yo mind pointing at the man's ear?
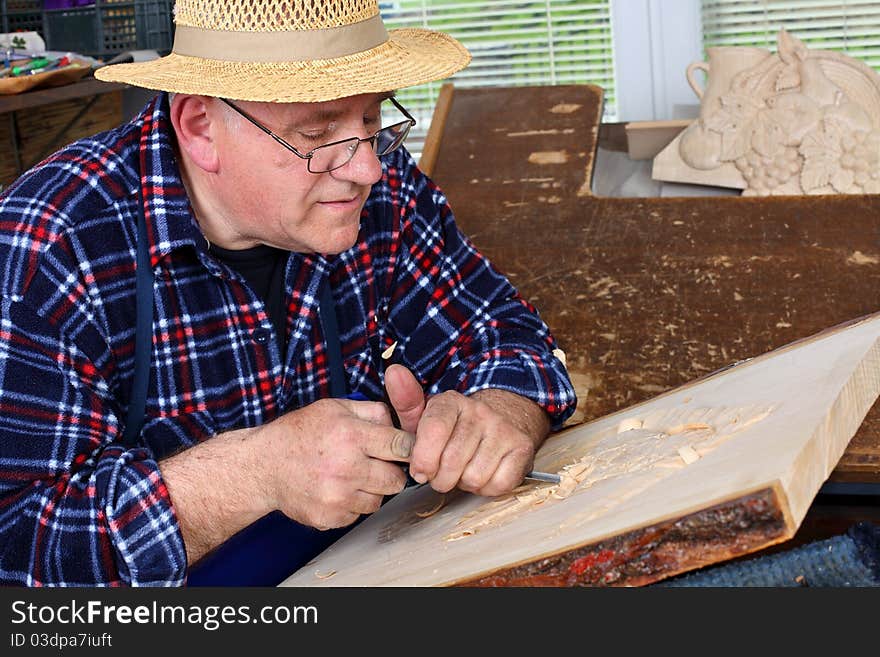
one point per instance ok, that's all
(193, 123)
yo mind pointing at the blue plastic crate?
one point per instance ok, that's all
(101, 29)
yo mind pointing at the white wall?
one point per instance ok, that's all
(654, 43)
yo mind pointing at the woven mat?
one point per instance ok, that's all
(851, 559)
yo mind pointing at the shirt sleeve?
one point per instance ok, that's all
(76, 507)
(467, 328)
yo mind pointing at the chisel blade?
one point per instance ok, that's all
(544, 476)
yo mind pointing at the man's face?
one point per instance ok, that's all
(268, 195)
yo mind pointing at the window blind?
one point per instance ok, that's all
(543, 42)
(851, 27)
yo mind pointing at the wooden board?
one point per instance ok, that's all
(646, 294)
(647, 138)
(716, 469)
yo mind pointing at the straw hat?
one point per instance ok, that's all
(290, 51)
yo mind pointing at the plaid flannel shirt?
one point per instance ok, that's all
(79, 508)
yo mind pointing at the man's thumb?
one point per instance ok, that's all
(406, 396)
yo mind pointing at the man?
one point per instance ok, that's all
(245, 235)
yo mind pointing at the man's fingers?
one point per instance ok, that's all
(498, 479)
(402, 445)
(406, 396)
(384, 478)
(365, 503)
(437, 426)
(368, 411)
(460, 450)
(389, 444)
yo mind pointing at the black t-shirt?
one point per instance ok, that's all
(263, 268)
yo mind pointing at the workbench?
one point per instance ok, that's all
(79, 109)
(646, 294)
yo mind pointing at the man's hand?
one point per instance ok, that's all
(335, 460)
(484, 443)
(322, 465)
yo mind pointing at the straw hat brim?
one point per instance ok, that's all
(410, 57)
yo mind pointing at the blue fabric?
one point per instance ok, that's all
(263, 554)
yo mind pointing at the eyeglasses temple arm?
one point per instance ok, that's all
(281, 141)
(403, 110)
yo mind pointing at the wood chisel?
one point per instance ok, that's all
(544, 476)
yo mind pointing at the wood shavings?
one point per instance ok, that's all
(459, 535)
(565, 108)
(389, 351)
(534, 496)
(688, 454)
(560, 355)
(691, 426)
(859, 258)
(326, 575)
(629, 424)
(548, 157)
(430, 512)
(576, 469)
(566, 486)
(656, 445)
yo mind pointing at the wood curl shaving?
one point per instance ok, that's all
(389, 351)
(688, 454)
(457, 535)
(560, 355)
(566, 486)
(629, 424)
(691, 426)
(430, 512)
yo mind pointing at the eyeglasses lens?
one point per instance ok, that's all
(391, 138)
(333, 156)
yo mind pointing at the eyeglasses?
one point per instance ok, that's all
(336, 154)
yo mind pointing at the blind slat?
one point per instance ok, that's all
(851, 27)
(512, 42)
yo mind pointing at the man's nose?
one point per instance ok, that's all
(364, 168)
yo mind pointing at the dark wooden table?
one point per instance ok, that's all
(85, 88)
(88, 89)
(646, 294)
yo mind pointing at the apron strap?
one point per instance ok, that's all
(143, 338)
(327, 311)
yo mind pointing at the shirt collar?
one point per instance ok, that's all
(171, 222)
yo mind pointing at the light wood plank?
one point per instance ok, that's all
(431, 147)
(645, 139)
(767, 433)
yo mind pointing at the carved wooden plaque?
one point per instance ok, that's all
(799, 121)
